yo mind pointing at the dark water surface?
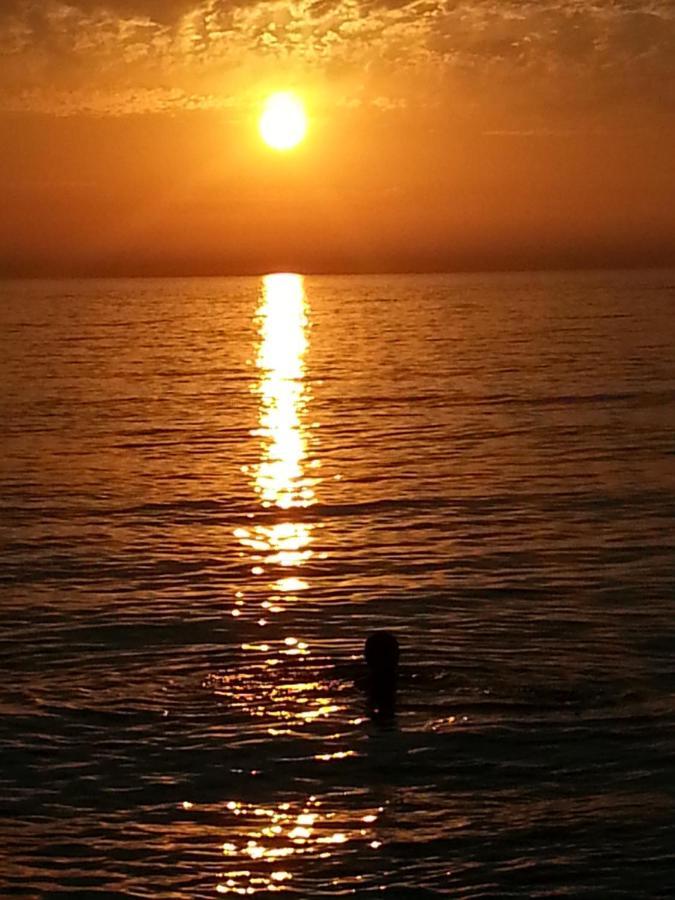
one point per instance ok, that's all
(212, 490)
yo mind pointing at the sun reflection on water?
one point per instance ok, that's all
(284, 688)
(282, 316)
(269, 840)
(291, 701)
(283, 478)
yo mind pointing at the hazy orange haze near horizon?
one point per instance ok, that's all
(442, 136)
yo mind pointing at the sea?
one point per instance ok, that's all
(212, 491)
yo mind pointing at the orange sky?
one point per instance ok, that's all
(444, 135)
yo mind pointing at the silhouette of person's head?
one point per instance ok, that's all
(381, 653)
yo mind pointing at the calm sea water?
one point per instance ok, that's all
(212, 490)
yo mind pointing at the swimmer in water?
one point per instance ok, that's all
(381, 654)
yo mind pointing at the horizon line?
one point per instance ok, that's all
(320, 272)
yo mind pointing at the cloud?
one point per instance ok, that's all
(120, 102)
(97, 48)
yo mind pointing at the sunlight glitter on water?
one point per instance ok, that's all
(278, 701)
(281, 833)
(279, 478)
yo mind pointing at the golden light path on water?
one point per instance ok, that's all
(277, 836)
(264, 842)
(281, 360)
(280, 477)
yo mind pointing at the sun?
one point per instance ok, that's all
(283, 123)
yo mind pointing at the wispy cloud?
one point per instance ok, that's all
(128, 55)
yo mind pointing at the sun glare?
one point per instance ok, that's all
(283, 123)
